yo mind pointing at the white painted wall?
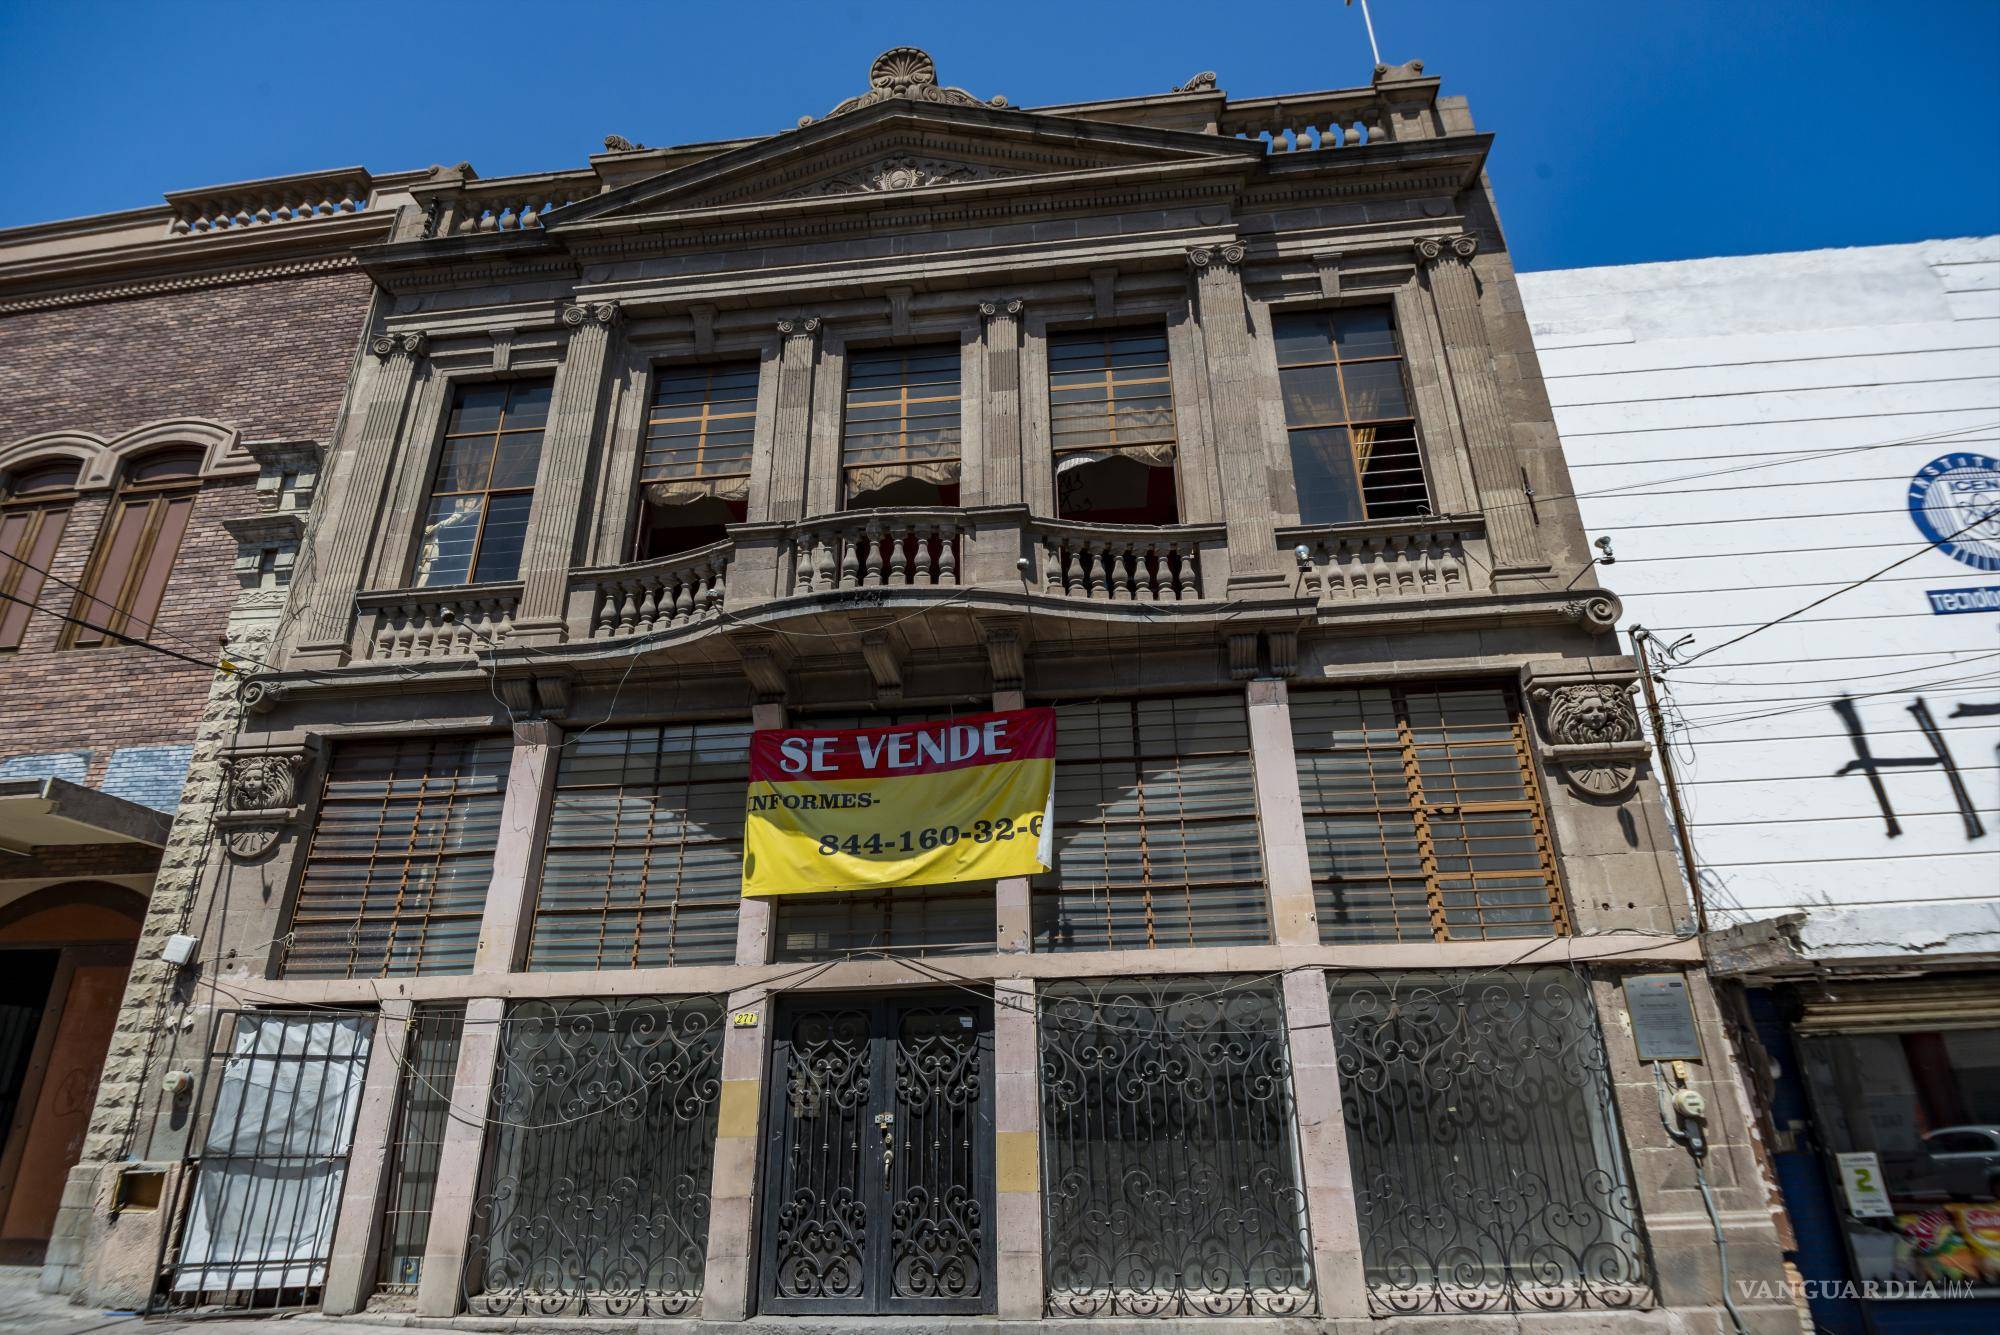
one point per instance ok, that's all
(1666, 375)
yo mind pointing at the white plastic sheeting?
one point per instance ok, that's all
(275, 1156)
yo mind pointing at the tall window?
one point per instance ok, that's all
(484, 485)
(1156, 828)
(395, 879)
(34, 510)
(128, 573)
(1354, 443)
(696, 469)
(645, 849)
(1423, 817)
(1486, 1096)
(900, 437)
(1111, 426)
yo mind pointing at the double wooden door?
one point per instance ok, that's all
(880, 1157)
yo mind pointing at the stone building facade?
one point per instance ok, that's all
(170, 376)
(1212, 423)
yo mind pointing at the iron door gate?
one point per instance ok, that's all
(880, 1157)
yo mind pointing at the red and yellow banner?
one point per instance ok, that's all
(964, 799)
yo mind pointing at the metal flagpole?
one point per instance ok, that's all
(1365, 18)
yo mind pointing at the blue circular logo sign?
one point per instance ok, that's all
(1955, 502)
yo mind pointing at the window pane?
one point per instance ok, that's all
(1374, 390)
(1323, 473)
(464, 465)
(1312, 395)
(444, 548)
(515, 460)
(478, 408)
(1422, 817)
(528, 405)
(1301, 337)
(1364, 331)
(395, 878)
(500, 542)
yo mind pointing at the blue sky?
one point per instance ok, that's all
(1628, 130)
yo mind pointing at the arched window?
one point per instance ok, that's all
(135, 555)
(35, 502)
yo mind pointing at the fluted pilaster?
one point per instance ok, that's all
(551, 536)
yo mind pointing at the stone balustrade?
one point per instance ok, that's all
(1402, 109)
(509, 205)
(1405, 558)
(436, 623)
(280, 199)
(878, 548)
(676, 590)
(1124, 563)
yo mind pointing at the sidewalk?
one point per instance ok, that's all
(24, 1309)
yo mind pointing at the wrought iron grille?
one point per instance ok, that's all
(594, 1199)
(1488, 1170)
(423, 1110)
(1170, 1171)
(279, 1095)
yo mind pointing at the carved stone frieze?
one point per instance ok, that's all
(901, 171)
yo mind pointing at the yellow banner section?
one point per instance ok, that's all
(875, 834)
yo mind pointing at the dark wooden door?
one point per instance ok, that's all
(879, 1163)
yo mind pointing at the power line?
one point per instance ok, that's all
(118, 635)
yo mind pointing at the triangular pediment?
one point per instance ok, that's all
(903, 146)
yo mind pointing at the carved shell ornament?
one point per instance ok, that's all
(906, 72)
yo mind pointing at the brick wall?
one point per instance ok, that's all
(268, 358)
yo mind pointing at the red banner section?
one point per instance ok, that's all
(807, 755)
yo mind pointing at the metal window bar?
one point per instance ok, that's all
(1156, 828)
(423, 1112)
(1489, 1173)
(1347, 408)
(1424, 815)
(1171, 1182)
(395, 878)
(259, 1192)
(595, 1191)
(701, 422)
(645, 849)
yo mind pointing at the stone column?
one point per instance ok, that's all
(1329, 1181)
(1231, 355)
(1017, 1158)
(1001, 484)
(439, 1292)
(783, 496)
(350, 1272)
(739, 1136)
(1013, 896)
(550, 542)
(517, 858)
(1281, 822)
(351, 528)
(1496, 467)
(754, 916)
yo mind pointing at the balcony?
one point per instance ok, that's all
(1000, 554)
(1434, 557)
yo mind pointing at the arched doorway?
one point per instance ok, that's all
(65, 952)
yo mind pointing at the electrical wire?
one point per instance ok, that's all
(119, 636)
